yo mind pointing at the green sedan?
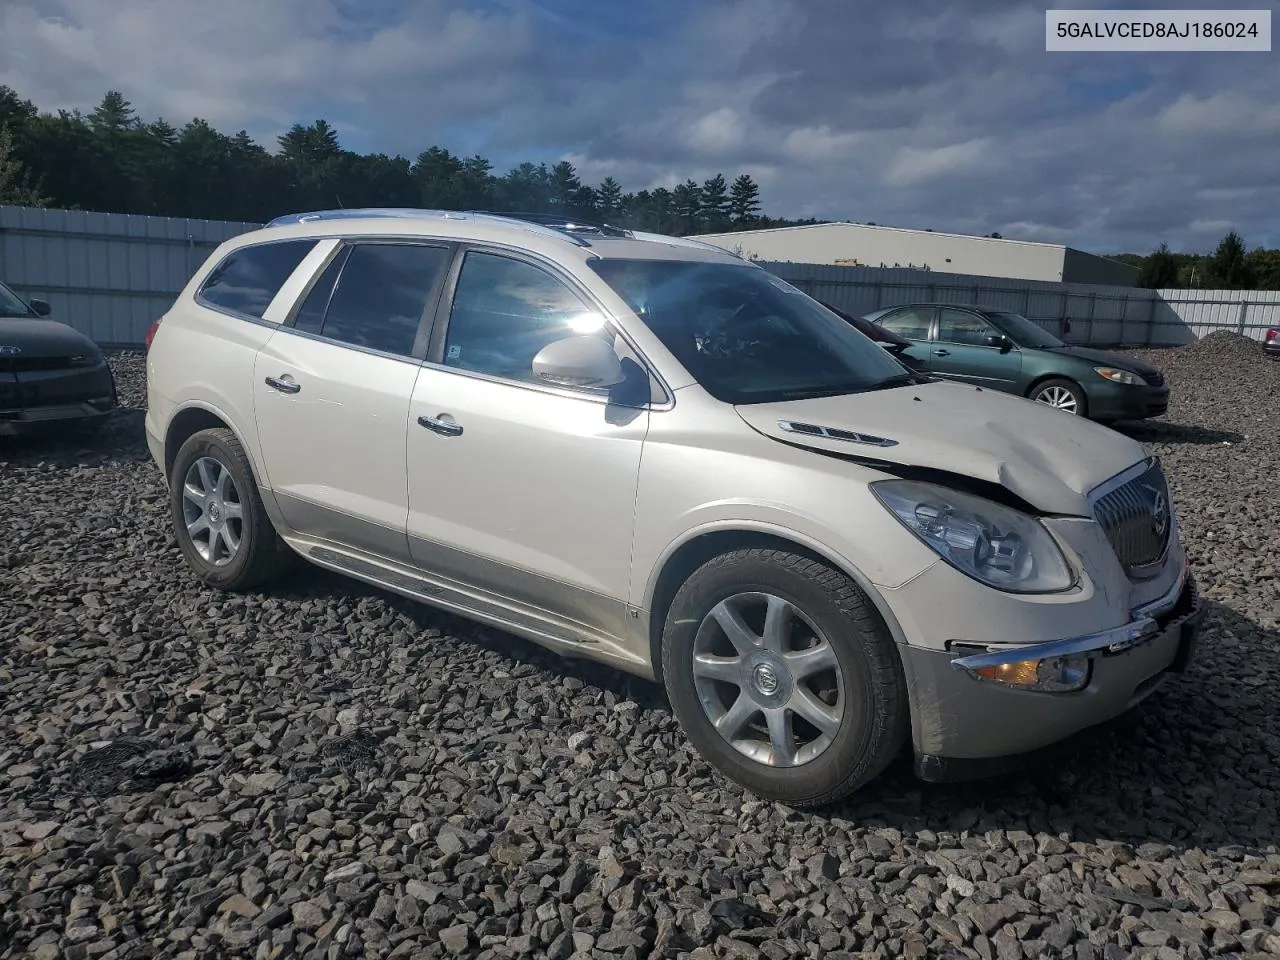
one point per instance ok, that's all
(1006, 351)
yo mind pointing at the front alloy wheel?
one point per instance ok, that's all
(783, 676)
(767, 679)
(1060, 395)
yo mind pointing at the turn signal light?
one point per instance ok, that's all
(1053, 675)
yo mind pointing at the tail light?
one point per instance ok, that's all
(1272, 334)
(151, 331)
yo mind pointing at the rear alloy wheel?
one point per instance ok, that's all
(783, 677)
(1061, 395)
(218, 516)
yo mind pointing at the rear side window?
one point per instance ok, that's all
(912, 323)
(374, 295)
(247, 280)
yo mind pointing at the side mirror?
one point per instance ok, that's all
(40, 307)
(996, 340)
(584, 361)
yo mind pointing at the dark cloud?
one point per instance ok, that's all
(947, 115)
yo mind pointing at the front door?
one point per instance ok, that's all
(518, 490)
(332, 389)
(961, 351)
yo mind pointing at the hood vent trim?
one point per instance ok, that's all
(834, 433)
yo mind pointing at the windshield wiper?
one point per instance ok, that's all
(898, 380)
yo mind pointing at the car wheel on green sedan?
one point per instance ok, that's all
(783, 676)
(1061, 394)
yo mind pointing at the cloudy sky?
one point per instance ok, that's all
(918, 113)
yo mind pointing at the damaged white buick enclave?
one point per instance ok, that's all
(651, 453)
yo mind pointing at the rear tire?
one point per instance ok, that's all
(1061, 394)
(218, 517)
(810, 703)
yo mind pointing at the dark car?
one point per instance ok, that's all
(51, 375)
(1271, 343)
(894, 344)
(1005, 351)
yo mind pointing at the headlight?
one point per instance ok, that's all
(1001, 547)
(1118, 376)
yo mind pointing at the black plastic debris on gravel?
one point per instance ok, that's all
(129, 764)
(351, 752)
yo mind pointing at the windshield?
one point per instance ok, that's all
(1022, 331)
(10, 305)
(745, 335)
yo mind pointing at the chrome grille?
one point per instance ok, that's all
(1137, 517)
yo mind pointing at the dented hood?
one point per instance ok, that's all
(1048, 458)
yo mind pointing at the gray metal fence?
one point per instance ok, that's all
(1076, 312)
(110, 275)
(106, 274)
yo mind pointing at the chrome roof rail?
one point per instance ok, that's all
(415, 213)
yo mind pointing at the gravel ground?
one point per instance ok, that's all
(326, 771)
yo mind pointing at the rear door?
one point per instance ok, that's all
(961, 351)
(332, 389)
(913, 323)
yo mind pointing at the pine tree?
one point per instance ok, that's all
(1229, 268)
(1160, 270)
(744, 200)
(609, 199)
(715, 203)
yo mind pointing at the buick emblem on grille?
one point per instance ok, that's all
(1159, 514)
(8, 351)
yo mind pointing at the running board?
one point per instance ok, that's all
(556, 636)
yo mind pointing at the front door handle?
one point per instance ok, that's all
(283, 385)
(942, 353)
(446, 428)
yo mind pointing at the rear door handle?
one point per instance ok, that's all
(446, 428)
(942, 353)
(283, 385)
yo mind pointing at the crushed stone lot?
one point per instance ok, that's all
(324, 770)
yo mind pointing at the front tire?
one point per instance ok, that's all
(219, 520)
(783, 677)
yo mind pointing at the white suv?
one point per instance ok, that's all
(652, 453)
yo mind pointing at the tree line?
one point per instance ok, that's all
(1229, 267)
(113, 161)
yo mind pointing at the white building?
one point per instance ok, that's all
(863, 245)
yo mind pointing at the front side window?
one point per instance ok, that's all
(11, 304)
(1024, 332)
(747, 336)
(505, 311)
(247, 281)
(963, 327)
(374, 295)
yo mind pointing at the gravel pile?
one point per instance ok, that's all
(326, 771)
